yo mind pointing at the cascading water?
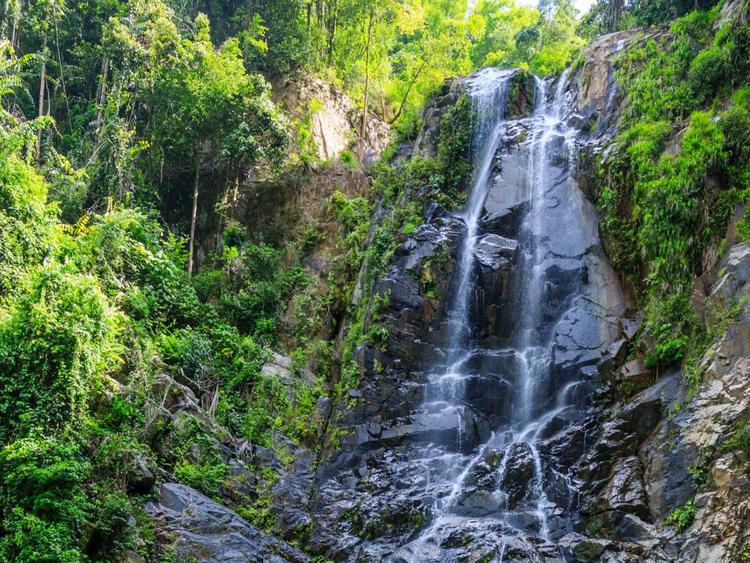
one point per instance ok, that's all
(491, 471)
(445, 389)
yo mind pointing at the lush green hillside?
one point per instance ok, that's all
(119, 120)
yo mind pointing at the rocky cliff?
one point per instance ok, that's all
(658, 471)
(372, 497)
(641, 465)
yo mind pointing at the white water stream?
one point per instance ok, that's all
(452, 463)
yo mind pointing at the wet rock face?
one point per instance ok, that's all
(427, 141)
(201, 529)
(375, 497)
(519, 474)
(521, 95)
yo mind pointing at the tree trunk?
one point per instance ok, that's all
(40, 109)
(62, 70)
(16, 18)
(408, 91)
(363, 125)
(194, 215)
(100, 94)
(332, 28)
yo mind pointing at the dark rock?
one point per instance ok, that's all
(630, 326)
(625, 491)
(590, 549)
(201, 529)
(479, 503)
(635, 376)
(291, 497)
(519, 474)
(583, 122)
(618, 351)
(645, 411)
(240, 484)
(632, 528)
(494, 251)
(402, 154)
(140, 477)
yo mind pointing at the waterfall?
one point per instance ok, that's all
(445, 389)
(500, 397)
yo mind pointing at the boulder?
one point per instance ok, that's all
(140, 478)
(635, 376)
(494, 251)
(279, 367)
(201, 529)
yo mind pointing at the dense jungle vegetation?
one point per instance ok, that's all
(116, 114)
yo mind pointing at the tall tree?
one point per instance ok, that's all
(205, 109)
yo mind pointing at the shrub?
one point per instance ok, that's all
(58, 336)
(669, 320)
(258, 287)
(206, 478)
(188, 352)
(708, 72)
(125, 248)
(235, 235)
(349, 161)
(683, 517)
(43, 503)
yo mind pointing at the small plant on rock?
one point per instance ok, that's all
(682, 518)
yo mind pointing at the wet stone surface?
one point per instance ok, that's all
(463, 444)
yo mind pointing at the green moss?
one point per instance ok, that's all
(739, 440)
(521, 94)
(454, 152)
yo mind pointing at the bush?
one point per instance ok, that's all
(126, 250)
(189, 354)
(669, 321)
(349, 161)
(206, 478)
(43, 503)
(235, 235)
(708, 72)
(257, 289)
(53, 345)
